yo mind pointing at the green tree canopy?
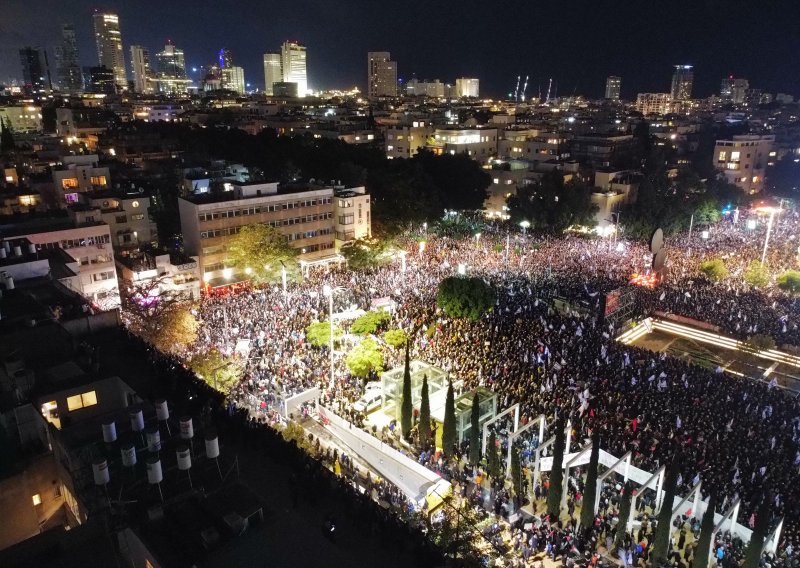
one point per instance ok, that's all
(395, 337)
(365, 358)
(714, 269)
(493, 464)
(789, 281)
(319, 333)
(222, 373)
(756, 274)
(261, 251)
(371, 322)
(465, 297)
(406, 404)
(362, 254)
(552, 205)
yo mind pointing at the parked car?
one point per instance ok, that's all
(369, 402)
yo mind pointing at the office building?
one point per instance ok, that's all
(467, 87)
(108, 38)
(225, 58)
(734, 90)
(171, 77)
(381, 75)
(613, 88)
(70, 79)
(140, 65)
(743, 160)
(682, 81)
(100, 80)
(313, 218)
(282, 89)
(654, 103)
(433, 89)
(293, 66)
(272, 71)
(233, 79)
(35, 73)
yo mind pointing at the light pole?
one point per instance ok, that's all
(477, 240)
(772, 211)
(328, 291)
(524, 225)
(283, 276)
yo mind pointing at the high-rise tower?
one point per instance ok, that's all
(293, 66)
(109, 46)
(381, 75)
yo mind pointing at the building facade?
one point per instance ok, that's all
(272, 71)
(108, 39)
(233, 79)
(467, 87)
(404, 141)
(744, 160)
(79, 174)
(613, 88)
(381, 75)
(70, 79)
(171, 77)
(654, 103)
(35, 72)
(682, 82)
(142, 74)
(293, 66)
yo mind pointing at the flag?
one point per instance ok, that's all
(678, 422)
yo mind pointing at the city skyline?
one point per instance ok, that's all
(582, 55)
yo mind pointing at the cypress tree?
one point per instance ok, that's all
(475, 431)
(557, 473)
(755, 547)
(625, 500)
(516, 473)
(703, 550)
(424, 415)
(590, 490)
(492, 456)
(664, 527)
(449, 426)
(406, 408)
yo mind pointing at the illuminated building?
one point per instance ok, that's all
(467, 87)
(69, 71)
(743, 160)
(272, 71)
(225, 58)
(734, 90)
(108, 38)
(233, 79)
(34, 70)
(381, 75)
(654, 103)
(142, 75)
(404, 141)
(682, 81)
(293, 66)
(613, 88)
(171, 77)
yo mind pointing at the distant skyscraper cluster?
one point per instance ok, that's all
(286, 72)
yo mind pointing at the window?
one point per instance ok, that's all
(346, 219)
(81, 400)
(37, 500)
(120, 218)
(100, 276)
(98, 180)
(735, 156)
(137, 217)
(723, 155)
(69, 183)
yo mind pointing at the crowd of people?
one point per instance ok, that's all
(741, 437)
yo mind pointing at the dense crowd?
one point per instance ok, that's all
(739, 436)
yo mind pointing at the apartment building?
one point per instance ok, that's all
(126, 215)
(404, 141)
(176, 273)
(478, 143)
(744, 160)
(353, 213)
(78, 174)
(307, 215)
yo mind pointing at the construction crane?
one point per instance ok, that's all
(525, 88)
(549, 86)
(516, 90)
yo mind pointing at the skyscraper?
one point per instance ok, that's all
(225, 58)
(613, 87)
(272, 71)
(381, 75)
(682, 80)
(69, 70)
(140, 64)
(233, 79)
(734, 90)
(34, 70)
(171, 77)
(109, 46)
(467, 87)
(293, 66)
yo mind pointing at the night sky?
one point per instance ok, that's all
(577, 42)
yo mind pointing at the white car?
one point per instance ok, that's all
(374, 386)
(369, 402)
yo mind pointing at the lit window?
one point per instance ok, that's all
(496, 180)
(69, 183)
(37, 500)
(81, 400)
(98, 180)
(735, 156)
(723, 155)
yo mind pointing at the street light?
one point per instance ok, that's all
(524, 225)
(477, 239)
(328, 291)
(771, 211)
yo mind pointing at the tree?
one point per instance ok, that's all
(590, 491)
(176, 330)
(460, 180)
(406, 405)
(261, 252)
(475, 431)
(789, 281)
(714, 269)
(756, 274)
(395, 338)
(424, 427)
(760, 342)
(462, 297)
(557, 472)
(516, 473)
(493, 463)
(664, 526)
(552, 205)
(363, 254)
(7, 144)
(625, 499)
(365, 358)
(319, 333)
(449, 425)
(217, 371)
(370, 322)
(703, 549)
(755, 547)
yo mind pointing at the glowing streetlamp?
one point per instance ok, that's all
(421, 247)
(772, 211)
(328, 291)
(524, 225)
